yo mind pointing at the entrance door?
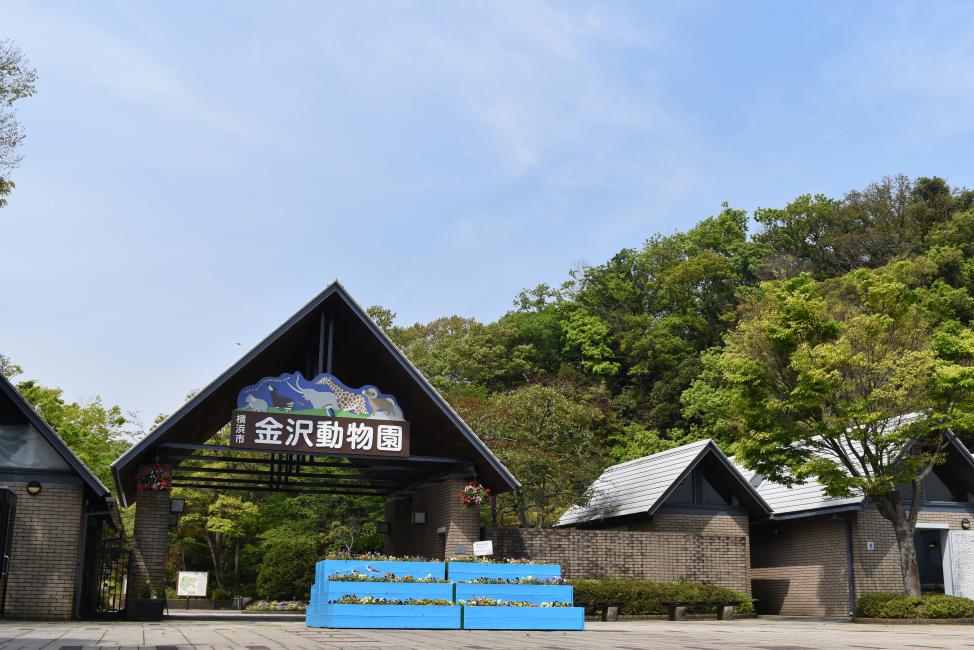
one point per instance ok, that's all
(930, 559)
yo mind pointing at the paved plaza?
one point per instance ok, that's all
(778, 634)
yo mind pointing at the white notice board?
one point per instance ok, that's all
(191, 583)
(485, 547)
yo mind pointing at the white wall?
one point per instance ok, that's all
(961, 546)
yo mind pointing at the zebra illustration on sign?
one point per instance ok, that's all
(323, 395)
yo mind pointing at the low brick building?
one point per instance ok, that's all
(682, 514)
(815, 555)
(54, 518)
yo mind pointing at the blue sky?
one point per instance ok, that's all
(194, 172)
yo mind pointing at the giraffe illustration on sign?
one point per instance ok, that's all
(349, 400)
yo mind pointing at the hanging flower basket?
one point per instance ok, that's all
(155, 478)
(474, 494)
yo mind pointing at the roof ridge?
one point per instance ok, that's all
(660, 454)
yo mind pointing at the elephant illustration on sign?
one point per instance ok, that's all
(319, 399)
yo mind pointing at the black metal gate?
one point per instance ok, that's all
(112, 562)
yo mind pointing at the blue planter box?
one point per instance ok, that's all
(528, 593)
(431, 617)
(323, 592)
(524, 618)
(326, 568)
(463, 571)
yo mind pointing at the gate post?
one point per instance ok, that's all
(147, 568)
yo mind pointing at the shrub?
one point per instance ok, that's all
(288, 570)
(893, 605)
(648, 596)
(296, 606)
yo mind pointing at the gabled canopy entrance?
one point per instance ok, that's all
(330, 334)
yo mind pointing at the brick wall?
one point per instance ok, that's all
(444, 510)
(657, 554)
(150, 544)
(800, 567)
(44, 557)
(879, 569)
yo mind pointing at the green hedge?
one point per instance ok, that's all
(892, 605)
(647, 596)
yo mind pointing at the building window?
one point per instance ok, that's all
(942, 485)
(698, 489)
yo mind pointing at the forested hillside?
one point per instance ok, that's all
(610, 365)
(658, 346)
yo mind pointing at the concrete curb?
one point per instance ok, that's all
(915, 621)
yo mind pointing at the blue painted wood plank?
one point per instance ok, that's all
(527, 593)
(463, 571)
(524, 618)
(326, 568)
(387, 617)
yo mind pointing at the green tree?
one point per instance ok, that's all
(851, 381)
(224, 525)
(96, 433)
(547, 436)
(17, 81)
(288, 569)
(8, 368)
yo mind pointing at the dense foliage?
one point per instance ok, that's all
(865, 300)
(647, 597)
(895, 605)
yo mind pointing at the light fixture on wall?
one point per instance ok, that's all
(419, 517)
(965, 524)
(177, 506)
(33, 488)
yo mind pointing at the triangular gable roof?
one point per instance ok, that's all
(643, 485)
(8, 390)
(200, 417)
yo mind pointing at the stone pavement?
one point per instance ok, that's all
(763, 634)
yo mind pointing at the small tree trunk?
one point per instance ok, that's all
(216, 562)
(908, 557)
(904, 526)
(522, 511)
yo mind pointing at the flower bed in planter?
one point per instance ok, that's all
(333, 590)
(326, 568)
(467, 571)
(532, 593)
(490, 614)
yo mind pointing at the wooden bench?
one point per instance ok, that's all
(610, 608)
(677, 608)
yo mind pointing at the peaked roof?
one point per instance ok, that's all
(8, 390)
(809, 498)
(642, 485)
(366, 355)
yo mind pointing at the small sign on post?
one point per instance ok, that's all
(191, 583)
(485, 547)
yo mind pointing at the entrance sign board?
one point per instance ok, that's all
(485, 547)
(315, 433)
(290, 413)
(191, 583)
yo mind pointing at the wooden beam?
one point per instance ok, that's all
(294, 490)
